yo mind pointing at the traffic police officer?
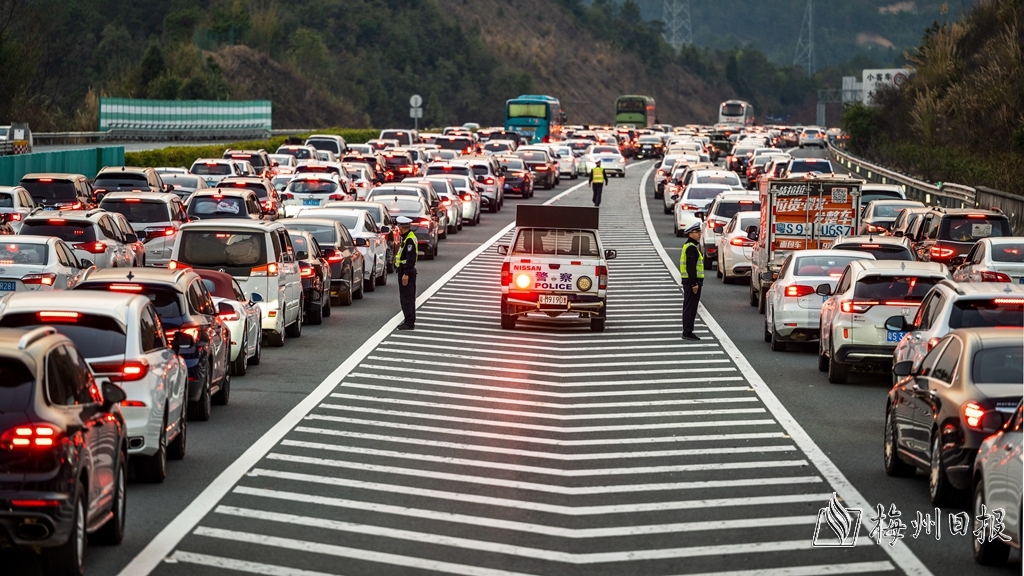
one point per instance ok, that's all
(691, 271)
(405, 265)
(597, 179)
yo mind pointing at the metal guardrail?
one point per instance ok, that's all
(44, 138)
(948, 195)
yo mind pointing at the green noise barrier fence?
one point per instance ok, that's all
(186, 119)
(87, 162)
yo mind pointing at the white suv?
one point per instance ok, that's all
(718, 215)
(213, 170)
(155, 218)
(93, 235)
(951, 305)
(259, 255)
(854, 317)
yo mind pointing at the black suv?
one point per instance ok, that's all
(60, 191)
(63, 450)
(945, 233)
(259, 159)
(184, 306)
(127, 179)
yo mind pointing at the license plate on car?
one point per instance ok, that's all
(894, 336)
(7, 286)
(554, 300)
(1022, 279)
(50, 208)
(311, 202)
(508, 186)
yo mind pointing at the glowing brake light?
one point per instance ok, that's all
(931, 343)
(798, 290)
(523, 281)
(91, 247)
(265, 270)
(30, 436)
(58, 316)
(45, 279)
(56, 221)
(175, 265)
(128, 371)
(133, 200)
(306, 272)
(990, 276)
(741, 241)
(940, 252)
(856, 306)
(506, 275)
(125, 287)
(973, 415)
(229, 316)
(1014, 301)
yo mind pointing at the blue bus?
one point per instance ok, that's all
(537, 118)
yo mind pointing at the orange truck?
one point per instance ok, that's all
(803, 213)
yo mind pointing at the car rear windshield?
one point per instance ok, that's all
(983, 313)
(236, 252)
(48, 192)
(650, 140)
(497, 146)
(397, 160)
(111, 181)
(14, 252)
(821, 265)
(406, 206)
(222, 206)
(259, 189)
(297, 153)
(350, 221)
(454, 143)
(1001, 365)
(6, 200)
(138, 211)
(513, 164)
(94, 335)
(211, 169)
(700, 193)
(557, 241)
(16, 382)
(313, 186)
(966, 229)
(325, 235)
(901, 288)
(881, 251)
(604, 150)
(726, 209)
(870, 195)
(890, 210)
(804, 166)
(1008, 253)
(182, 181)
(445, 170)
(70, 232)
(254, 159)
(403, 137)
(325, 144)
(532, 156)
(480, 170)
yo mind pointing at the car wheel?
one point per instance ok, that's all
(382, 280)
(986, 552)
(68, 558)
(940, 491)
(223, 395)
(176, 449)
(659, 195)
(153, 469)
(258, 356)
(822, 358)
(112, 533)
(428, 254)
(370, 282)
(597, 324)
(326, 298)
(314, 313)
(508, 321)
(718, 272)
(200, 409)
(239, 367)
(753, 296)
(776, 344)
(357, 294)
(679, 233)
(453, 229)
(346, 298)
(493, 207)
(667, 209)
(767, 334)
(443, 233)
(294, 330)
(894, 466)
(838, 373)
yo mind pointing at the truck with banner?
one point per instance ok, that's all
(802, 213)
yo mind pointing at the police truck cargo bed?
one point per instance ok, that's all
(535, 216)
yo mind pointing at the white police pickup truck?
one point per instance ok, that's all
(555, 265)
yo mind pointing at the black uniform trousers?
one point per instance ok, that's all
(598, 188)
(690, 301)
(407, 295)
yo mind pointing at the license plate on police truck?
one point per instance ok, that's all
(553, 300)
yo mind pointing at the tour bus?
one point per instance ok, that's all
(536, 118)
(635, 110)
(736, 112)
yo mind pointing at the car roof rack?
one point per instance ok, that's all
(35, 335)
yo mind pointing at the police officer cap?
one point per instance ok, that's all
(598, 162)
(404, 220)
(695, 227)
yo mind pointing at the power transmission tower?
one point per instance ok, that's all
(676, 14)
(804, 56)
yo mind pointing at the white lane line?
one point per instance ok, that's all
(405, 427)
(547, 471)
(564, 356)
(815, 570)
(584, 383)
(542, 393)
(514, 367)
(581, 329)
(556, 531)
(900, 553)
(235, 565)
(440, 336)
(474, 498)
(576, 457)
(545, 488)
(347, 552)
(545, 415)
(540, 427)
(168, 538)
(675, 345)
(557, 405)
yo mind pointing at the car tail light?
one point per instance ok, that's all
(857, 306)
(125, 287)
(175, 265)
(337, 197)
(446, 202)
(990, 276)
(423, 222)
(467, 197)
(29, 436)
(798, 290)
(875, 229)
(741, 241)
(46, 279)
(69, 205)
(335, 258)
(58, 316)
(931, 343)
(973, 415)
(192, 329)
(691, 207)
(15, 216)
(35, 503)
(304, 272)
(128, 371)
(159, 232)
(269, 270)
(91, 247)
(541, 168)
(602, 277)
(506, 274)
(939, 252)
(489, 181)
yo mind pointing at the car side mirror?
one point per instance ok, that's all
(502, 249)
(183, 340)
(904, 368)
(957, 261)
(718, 229)
(753, 233)
(131, 238)
(302, 255)
(897, 324)
(385, 229)
(112, 395)
(823, 290)
(362, 242)
(255, 297)
(767, 276)
(675, 197)
(225, 308)
(85, 263)
(898, 233)
(699, 214)
(287, 196)
(610, 254)
(168, 188)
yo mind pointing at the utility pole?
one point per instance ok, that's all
(676, 14)
(804, 56)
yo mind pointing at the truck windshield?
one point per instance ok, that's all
(556, 242)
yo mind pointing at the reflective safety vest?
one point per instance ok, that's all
(683, 274)
(597, 175)
(410, 237)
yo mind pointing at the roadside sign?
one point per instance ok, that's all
(415, 112)
(878, 78)
(416, 101)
